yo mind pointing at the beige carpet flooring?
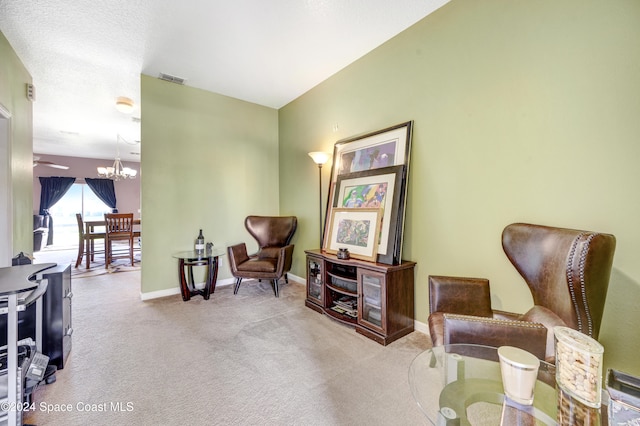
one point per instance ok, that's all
(249, 359)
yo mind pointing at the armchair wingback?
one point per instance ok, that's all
(271, 233)
(273, 259)
(567, 272)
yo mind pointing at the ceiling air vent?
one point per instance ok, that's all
(171, 78)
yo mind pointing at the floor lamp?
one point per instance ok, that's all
(320, 158)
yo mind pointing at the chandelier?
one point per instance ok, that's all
(118, 171)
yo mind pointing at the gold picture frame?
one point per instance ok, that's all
(357, 230)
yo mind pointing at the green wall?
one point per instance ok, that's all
(13, 80)
(523, 111)
(207, 162)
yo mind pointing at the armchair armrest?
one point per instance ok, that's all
(237, 254)
(459, 295)
(529, 336)
(285, 258)
(548, 318)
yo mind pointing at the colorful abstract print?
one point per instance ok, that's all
(353, 232)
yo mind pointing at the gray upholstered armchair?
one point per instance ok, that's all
(274, 256)
(567, 272)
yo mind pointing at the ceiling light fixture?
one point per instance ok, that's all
(124, 105)
(117, 171)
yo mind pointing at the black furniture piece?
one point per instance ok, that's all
(56, 317)
(19, 288)
(40, 232)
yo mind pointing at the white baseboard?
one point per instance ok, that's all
(173, 291)
(226, 281)
(297, 279)
(160, 293)
(421, 327)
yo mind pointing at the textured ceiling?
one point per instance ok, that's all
(83, 54)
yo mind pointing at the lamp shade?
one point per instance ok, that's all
(124, 104)
(319, 157)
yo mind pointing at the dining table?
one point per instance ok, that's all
(90, 228)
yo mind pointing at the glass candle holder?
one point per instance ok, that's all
(519, 370)
(579, 365)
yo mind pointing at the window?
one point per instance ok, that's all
(79, 199)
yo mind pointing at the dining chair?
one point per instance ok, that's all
(118, 227)
(86, 243)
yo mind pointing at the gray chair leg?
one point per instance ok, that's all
(275, 287)
(286, 278)
(237, 287)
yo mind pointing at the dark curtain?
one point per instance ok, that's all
(104, 189)
(52, 190)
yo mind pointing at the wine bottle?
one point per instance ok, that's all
(200, 243)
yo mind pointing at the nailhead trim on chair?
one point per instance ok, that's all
(583, 259)
(581, 267)
(525, 324)
(572, 253)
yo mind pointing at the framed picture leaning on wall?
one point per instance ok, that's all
(382, 148)
(359, 157)
(379, 188)
(357, 230)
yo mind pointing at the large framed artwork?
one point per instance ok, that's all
(379, 188)
(382, 148)
(358, 163)
(357, 230)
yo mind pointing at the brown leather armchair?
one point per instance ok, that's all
(274, 256)
(567, 272)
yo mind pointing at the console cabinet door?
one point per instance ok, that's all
(315, 280)
(372, 308)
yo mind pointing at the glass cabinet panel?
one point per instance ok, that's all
(314, 280)
(372, 298)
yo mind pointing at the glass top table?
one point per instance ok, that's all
(461, 384)
(187, 260)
